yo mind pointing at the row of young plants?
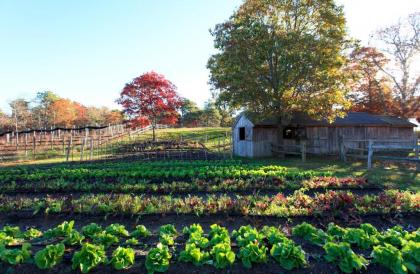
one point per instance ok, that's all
(394, 248)
(138, 171)
(124, 165)
(331, 203)
(195, 185)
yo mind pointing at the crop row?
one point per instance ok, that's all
(334, 203)
(395, 248)
(124, 165)
(161, 174)
(195, 185)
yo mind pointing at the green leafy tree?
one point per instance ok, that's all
(211, 116)
(187, 107)
(42, 112)
(279, 57)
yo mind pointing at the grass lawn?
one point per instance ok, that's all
(391, 176)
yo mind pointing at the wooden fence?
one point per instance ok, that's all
(302, 149)
(112, 143)
(381, 150)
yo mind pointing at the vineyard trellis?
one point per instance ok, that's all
(101, 143)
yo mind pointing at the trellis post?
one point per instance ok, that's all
(370, 154)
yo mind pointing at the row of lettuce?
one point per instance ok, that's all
(195, 185)
(336, 203)
(161, 171)
(395, 248)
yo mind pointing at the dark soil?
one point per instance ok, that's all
(181, 268)
(154, 221)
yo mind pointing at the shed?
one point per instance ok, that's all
(253, 138)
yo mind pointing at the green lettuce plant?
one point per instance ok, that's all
(50, 256)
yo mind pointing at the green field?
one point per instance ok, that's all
(211, 216)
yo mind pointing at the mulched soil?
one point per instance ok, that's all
(154, 221)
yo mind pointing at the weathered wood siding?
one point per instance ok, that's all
(262, 139)
(243, 148)
(325, 140)
(319, 139)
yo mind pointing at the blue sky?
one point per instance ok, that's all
(87, 50)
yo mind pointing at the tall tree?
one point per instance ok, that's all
(65, 112)
(370, 90)
(21, 114)
(187, 106)
(211, 116)
(225, 111)
(5, 122)
(277, 57)
(42, 113)
(150, 98)
(114, 117)
(402, 42)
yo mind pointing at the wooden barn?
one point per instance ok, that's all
(256, 138)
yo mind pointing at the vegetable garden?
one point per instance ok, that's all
(202, 216)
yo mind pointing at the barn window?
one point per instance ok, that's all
(241, 133)
(293, 133)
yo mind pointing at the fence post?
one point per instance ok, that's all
(91, 148)
(82, 149)
(34, 147)
(341, 147)
(303, 150)
(417, 146)
(370, 154)
(26, 145)
(68, 149)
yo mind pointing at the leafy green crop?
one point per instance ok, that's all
(12, 231)
(88, 257)
(158, 259)
(288, 255)
(247, 234)
(132, 241)
(91, 230)
(360, 238)
(62, 230)
(122, 258)
(337, 232)
(32, 233)
(140, 231)
(117, 230)
(105, 239)
(343, 255)
(394, 236)
(193, 254)
(222, 255)
(74, 238)
(253, 253)
(193, 229)
(273, 234)
(168, 229)
(310, 233)
(411, 255)
(390, 257)
(50, 256)
(218, 235)
(15, 256)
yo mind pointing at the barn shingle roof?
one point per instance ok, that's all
(351, 119)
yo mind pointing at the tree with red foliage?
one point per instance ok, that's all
(371, 91)
(150, 99)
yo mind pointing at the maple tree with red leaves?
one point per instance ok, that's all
(150, 99)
